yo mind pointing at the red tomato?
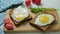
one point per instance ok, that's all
(33, 1)
(6, 20)
(28, 2)
(9, 26)
(37, 2)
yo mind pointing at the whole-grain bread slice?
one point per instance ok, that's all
(44, 28)
(21, 22)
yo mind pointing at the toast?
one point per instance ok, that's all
(21, 22)
(44, 28)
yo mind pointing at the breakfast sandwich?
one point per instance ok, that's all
(43, 19)
(20, 15)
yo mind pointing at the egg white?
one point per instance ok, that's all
(20, 10)
(38, 22)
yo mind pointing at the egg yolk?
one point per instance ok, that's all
(44, 19)
(19, 17)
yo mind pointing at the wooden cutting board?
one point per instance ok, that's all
(27, 27)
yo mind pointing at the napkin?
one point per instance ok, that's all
(1, 31)
(4, 4)
(1, 18)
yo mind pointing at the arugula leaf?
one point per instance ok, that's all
(36, 10)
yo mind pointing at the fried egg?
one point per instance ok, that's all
(44, 19)
(20, 13)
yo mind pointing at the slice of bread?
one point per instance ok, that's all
(43, 28)
(21, 22)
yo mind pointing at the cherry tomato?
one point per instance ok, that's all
(37, 2)
(27, 2)
(33, 1)
(9, 26)
(6, 20)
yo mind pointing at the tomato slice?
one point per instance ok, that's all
(27, 2)
(37, 2)
(6, 20)
(9, 26)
